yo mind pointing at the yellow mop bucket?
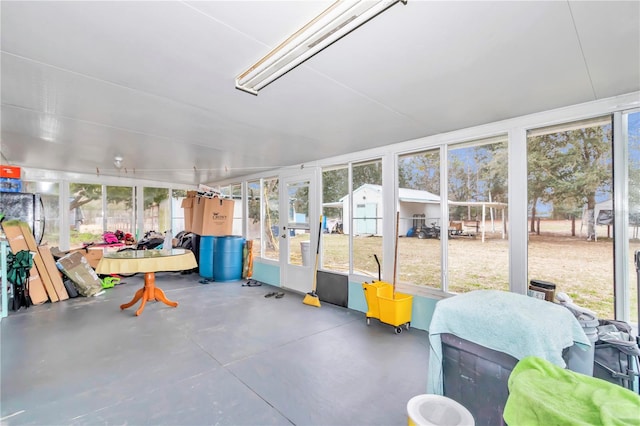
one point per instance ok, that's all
(386, 305)
(371, 292)
(396, 310)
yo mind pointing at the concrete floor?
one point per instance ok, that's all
(225, 356)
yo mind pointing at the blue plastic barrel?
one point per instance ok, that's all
(205, 262)
(227, 258)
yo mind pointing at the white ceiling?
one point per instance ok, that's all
(85, 81)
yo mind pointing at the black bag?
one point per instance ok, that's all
(150, 240)
(71, 289)
(617, 354)
(189, 241)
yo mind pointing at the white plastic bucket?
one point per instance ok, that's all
(304, 249)
(437, 410)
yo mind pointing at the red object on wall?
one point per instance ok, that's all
(12, 172)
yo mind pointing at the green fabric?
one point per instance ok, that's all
(18, 267)
(541, 393)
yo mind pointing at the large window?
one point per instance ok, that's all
(49, 193)
(86, 216)
(234, 192)
(335, 204)
(633, 148)
(419, 227)
(157, 211)
(254, 220)
(570, 178)
(366, 207)
(177, 211)
(120, 212)
(297, 219)
(271, 219)
(477, 245)
(475, 231)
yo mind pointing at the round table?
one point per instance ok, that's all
(148, 262)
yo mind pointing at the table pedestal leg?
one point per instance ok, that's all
(148, 292)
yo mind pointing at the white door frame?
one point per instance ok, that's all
(298, 277)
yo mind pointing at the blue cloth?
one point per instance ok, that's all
(507, 322)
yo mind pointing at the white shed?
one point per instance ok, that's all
(413, 204)
(367, 216)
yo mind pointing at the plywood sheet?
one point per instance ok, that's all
(54, 273)
(37, 260)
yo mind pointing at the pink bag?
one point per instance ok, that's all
(110, 238)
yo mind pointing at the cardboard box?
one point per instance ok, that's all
(187, 207)
(12, 172)
(92, 254)
(77, 268)
(197, 213)
(213, 216)
(13, 232)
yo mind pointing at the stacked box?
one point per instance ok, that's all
(208, 216)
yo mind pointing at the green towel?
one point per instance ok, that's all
(541, 393)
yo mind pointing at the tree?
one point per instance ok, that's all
(152, 196)
(586, 169)
(542, 163)
(494, 171)
(335, 185)
(462, 182)
(420, 171)
(634, 172)
(271, 212)
(568, 169)
(253, 201)
(82, 194)
(364, 173)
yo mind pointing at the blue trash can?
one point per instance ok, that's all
(227, 258)
(205, 261)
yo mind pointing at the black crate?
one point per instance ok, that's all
(476, 377)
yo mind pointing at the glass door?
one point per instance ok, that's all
(298, 232)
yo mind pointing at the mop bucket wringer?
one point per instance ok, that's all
(386, 305)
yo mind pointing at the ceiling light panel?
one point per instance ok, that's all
(335, 22)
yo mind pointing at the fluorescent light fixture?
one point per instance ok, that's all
(335, 22)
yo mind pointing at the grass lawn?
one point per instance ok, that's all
(582, 269)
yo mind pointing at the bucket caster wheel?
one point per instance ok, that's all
(398, 330)
(406, 326)
(368, 321)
